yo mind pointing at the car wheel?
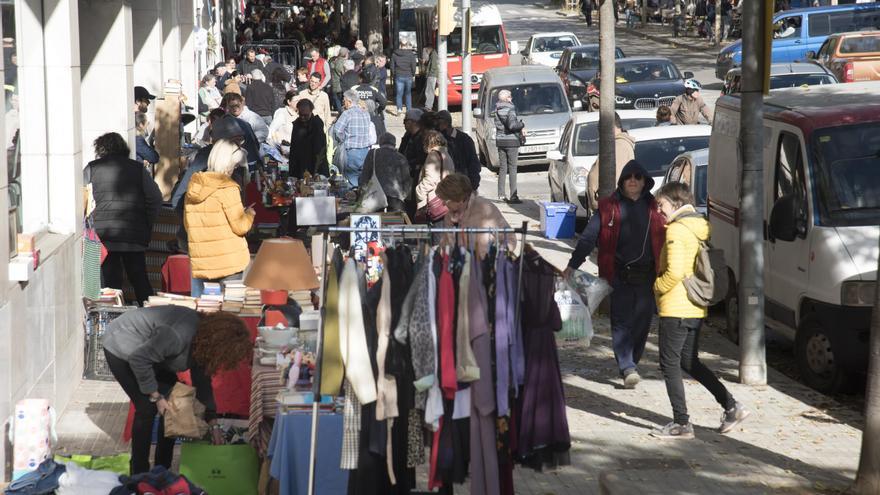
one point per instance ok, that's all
(731, 310)
(815, 359)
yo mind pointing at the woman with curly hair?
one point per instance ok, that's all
(146, 348)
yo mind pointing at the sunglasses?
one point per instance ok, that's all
(634, 176)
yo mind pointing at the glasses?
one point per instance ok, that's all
(634, 177)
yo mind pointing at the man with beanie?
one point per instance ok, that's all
(461, 148)
(629, 231)
(392, 170)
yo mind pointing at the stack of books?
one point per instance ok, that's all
(253, 305)
(110, 297)
(212, 298)
(303, 298)
(168, 299)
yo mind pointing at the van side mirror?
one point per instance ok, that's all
(811, 55)
(578, 105)
(555, 155)
(688, 75)
(513, 47)
(787, 220)
(478, 112)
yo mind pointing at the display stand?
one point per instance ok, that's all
(405, 231)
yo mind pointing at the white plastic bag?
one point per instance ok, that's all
(577, 324)
(78, 480)
(591, 289)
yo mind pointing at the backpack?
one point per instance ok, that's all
(709, 283)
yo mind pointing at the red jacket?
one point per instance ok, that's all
(609, 215)
(321, 67)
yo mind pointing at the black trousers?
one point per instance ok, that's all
(144, 414)
(135, 265)
(679, 349)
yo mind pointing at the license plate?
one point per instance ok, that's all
(474, 96)
(534, 149)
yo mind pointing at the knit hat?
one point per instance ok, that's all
(414, 114)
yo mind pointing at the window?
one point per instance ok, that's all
(589, 58)
(787, 28)
(820, 25)
(790, 178)
(848, 158)
(530, 99)
(651, 70)
(825, 51)
(484, 40)
(656, 155)
(587, 142)
(565, 140)
(11, 141)
(797, 80)
(553, 44)
(860, 44)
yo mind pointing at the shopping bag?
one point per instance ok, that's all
(119, 463)
(221, 469)
(577, 323)
(372, 197)
(93, 255)
(591, 289)
(185, 416)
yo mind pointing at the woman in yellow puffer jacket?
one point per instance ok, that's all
(215, 219)
(680, 319)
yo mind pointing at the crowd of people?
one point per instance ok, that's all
(701, 11)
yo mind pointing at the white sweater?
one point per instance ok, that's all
(352, 336)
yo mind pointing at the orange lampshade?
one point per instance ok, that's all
(282, 264)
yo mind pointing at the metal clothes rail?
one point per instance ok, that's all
(402, 231)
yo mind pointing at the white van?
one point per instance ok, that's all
(822, 211)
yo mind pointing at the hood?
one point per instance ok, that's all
(697, 224)
(545, 122)
(584, 75)
(650, 89)
(732, 48)
(634, 167)
(204, 184)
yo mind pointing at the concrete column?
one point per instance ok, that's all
(170, 40)
(189, 77)
(146, 25)
(107, 74)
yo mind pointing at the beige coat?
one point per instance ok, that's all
(624, 151)
(431, 175)
(479, 213)
(686, 110)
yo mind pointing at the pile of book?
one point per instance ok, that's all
(212, 298)
(168, 299)
(233, 296)
(253, 305)
(110, 297)
(303, 298)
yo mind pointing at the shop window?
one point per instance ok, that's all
(11, 122)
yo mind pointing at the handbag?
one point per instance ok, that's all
(372, 198)
(221, 469)
(93, 255)
(520, 135)
(436, 208)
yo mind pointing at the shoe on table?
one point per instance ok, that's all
(673, 431)
(733, 417)
(631, 379)
(514, 200)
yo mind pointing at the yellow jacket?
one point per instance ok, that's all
(677, 262)
(216, 223)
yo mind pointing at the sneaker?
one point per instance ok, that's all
(733, 417)
(630, 380)
(514, 200)
(674, 430)
(502, 198)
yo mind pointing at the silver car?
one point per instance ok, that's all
(691, 168)
(540, 102)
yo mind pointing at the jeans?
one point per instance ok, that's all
(335, 100)
(725, 27)
(588, 14)
(144, 414)
(507, 166)
(430, 84)
(632, 307)
(354, 163)
(630, 18)
(679, 350)
(135, 265)
(403, 89)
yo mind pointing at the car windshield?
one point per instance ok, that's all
(651, 70)
(587, 135)
(796, 80)
(484, 40)
(553, 44)
(589, 58)
(701, 185)
(656, 155)
(530, 99)
(849, 164)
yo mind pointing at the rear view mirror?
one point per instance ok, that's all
(478, 112)
(514, 47)
(786, 219)
(555, 155)
(688, 75)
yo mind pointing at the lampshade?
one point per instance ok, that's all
(282, 264)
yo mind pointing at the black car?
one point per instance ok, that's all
(644, 83)
(577, 66)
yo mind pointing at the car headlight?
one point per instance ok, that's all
(575, 82)
(857, 293)
(622, 100)
(579, 177)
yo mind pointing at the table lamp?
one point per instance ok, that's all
(281, 265)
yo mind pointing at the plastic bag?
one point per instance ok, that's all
(577, 324)
(591, 289)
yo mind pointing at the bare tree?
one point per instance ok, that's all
(607, 169)
(371, 25)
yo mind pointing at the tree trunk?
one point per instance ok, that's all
(868, 476)
(644, 12)
(371, 25)
(607, 168)
(717, 22)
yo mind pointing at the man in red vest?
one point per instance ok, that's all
(629, 232)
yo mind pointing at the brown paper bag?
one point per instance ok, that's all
(186, 415)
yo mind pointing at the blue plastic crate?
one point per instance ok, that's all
(557, 220)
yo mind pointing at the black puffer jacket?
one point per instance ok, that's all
(403, 63)
(507, 125)
(127, 201)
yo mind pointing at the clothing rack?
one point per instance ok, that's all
(326, 231)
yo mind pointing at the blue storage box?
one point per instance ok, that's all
(557, 220)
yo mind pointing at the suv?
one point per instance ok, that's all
(540, 102)
(852, 56)
(788, 75)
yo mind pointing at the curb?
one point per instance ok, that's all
(671, 41)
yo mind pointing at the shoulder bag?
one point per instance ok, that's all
(373, 198)
(436, 208)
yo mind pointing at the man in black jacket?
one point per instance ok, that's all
(259, 96)
(374, 100)
(461, 148)
(127, 202)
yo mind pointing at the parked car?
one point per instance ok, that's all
(800, 31)
(787, 75)
(578, 66)
(540, 102)
(822, 215)
(647, 82)
(578, 150)
(546, 48)
(657, 147)
(691, 168)
(852, 56)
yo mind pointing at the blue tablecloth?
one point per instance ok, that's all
(289, 452)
